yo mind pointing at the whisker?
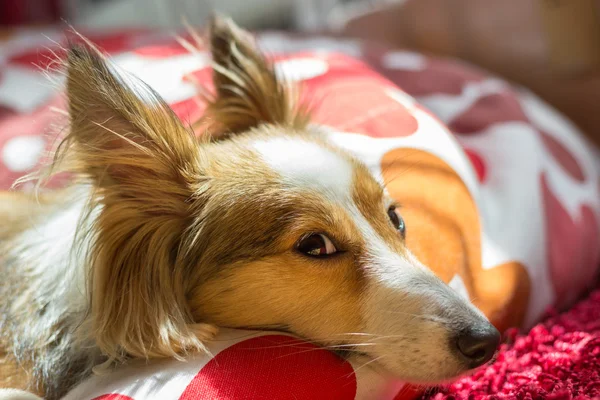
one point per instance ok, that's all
(410, 166)
(356, 334)
(369, 362)
(299, 352)
(432, 318)
(349, 345)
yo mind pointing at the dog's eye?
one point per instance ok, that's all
(316, 245)
(397, 220)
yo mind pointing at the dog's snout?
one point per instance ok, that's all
(478, 345)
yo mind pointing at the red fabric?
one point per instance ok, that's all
(440, 76)
(569, 248)
(113, 397)
(558, 359)
(563, 157)
(486, 111)
(246, 370)
(478, 164)
(354, 85)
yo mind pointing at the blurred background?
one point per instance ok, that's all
(282, 14)
(550, 46)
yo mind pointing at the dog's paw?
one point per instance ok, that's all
(13, 394)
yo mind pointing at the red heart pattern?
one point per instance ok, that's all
(248, 370)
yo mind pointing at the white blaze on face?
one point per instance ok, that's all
(308, 165)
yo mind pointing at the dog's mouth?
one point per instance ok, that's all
(460, 355)
(362, 359)
(349, 352)
(469, 350)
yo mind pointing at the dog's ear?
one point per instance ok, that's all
(123, 132)
(145, 167)
(248, 91)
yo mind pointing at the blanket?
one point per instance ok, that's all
(529, 194)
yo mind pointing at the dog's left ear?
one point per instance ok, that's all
(146, 170)
(248, 91)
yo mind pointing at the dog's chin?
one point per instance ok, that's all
(377, 363)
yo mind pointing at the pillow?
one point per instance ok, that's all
(515, 179)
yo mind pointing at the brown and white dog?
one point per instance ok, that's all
(164, 237)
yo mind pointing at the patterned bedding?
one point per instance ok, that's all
(533, 182)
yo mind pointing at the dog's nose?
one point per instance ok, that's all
(478, 345)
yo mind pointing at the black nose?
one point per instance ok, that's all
(478, 345)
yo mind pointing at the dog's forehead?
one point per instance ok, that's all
(308, 165)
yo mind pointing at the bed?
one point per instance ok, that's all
(557, 358)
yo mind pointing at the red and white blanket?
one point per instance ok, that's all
(534, 179)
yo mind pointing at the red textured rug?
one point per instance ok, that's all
(558, 359)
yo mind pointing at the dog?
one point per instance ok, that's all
(165, 238)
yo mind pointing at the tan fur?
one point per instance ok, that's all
(11, 375)
(17, 212)
(147, 210)
(369, 197)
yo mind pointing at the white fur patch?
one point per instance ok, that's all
(390, 269)
(308, 165)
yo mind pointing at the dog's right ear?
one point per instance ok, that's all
(248, 91)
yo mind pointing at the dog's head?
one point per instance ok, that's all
(262, 223)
